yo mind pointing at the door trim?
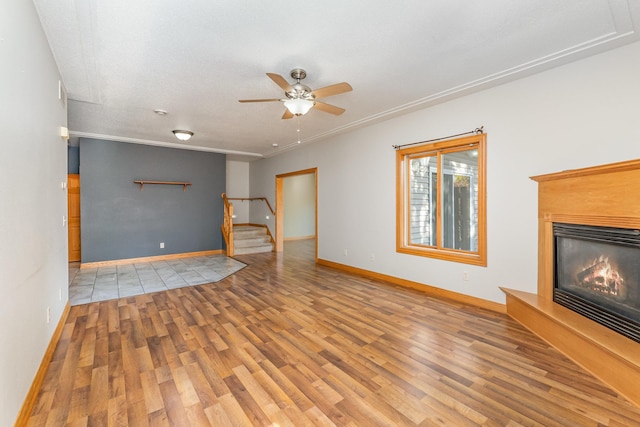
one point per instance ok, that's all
(280, 206)
(74, 223)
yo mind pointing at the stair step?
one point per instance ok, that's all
(247, 231)
(251, 241)
(253, 249)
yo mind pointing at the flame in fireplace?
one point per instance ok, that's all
(600, 276)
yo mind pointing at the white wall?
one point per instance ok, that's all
(238, 186)
(299, 200)
(578, 115)
(33, 254)
(260, 213)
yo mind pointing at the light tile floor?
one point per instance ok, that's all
(103, 283)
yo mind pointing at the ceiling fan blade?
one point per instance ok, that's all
(335, 89)
(287, 114)
(328, 108)
(259, 100)
(280, 81)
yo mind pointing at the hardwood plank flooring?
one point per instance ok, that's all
(285, 342)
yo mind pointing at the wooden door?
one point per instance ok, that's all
(73, 204)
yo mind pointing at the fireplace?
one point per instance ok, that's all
(595, 264)
(597, 274)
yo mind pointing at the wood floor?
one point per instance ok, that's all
(287, 343)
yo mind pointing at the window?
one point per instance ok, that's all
(441, 202)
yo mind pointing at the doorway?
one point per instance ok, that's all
(284, 191)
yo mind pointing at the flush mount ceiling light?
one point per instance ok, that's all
(183, 135)
(160, 112)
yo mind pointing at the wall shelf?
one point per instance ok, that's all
(143, 182)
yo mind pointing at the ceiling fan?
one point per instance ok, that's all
(300, 98)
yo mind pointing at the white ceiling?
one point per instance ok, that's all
(121, 59)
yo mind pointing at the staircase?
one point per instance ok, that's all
(249, 239)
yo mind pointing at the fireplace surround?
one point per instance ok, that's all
(591, 200)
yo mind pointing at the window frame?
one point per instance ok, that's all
(403, 211)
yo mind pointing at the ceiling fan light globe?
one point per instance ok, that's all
(298, 107)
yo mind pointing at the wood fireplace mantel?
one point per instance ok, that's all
(606, 196)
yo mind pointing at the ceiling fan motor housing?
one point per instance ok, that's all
(299, 91)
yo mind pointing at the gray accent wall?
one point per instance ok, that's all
(119, 221)
(73, 159)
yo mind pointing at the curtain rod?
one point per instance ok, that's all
(476, 131)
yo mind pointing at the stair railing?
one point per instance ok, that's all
(251, 199)
(227, 225)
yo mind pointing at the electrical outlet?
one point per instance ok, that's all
(465, 276)
(64, 221)
(161, 245)
(346, 252)
(48, 315)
